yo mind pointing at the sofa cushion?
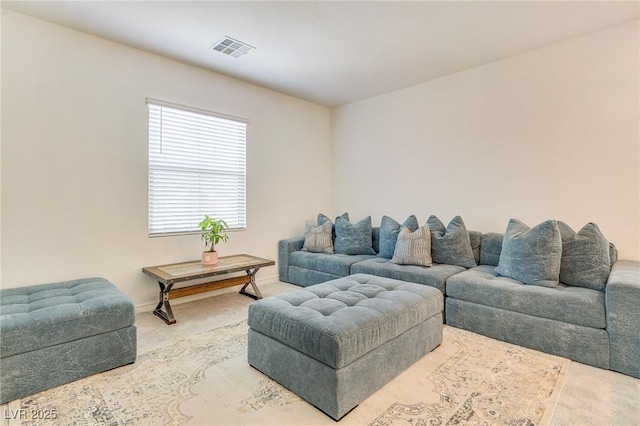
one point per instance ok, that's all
(40, 316)
(490, 248)
(339, 321)
(353, 238)
(335, 264)
(574, 305)
(451, 245)
(475, 237)
(613, 254)
(434, 276)
(585, 257)
(375, 238)
(389, 230)
(305, 277)
(413, 248)
(623, 316)
(531, 255)
(318, 239)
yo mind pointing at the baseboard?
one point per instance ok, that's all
(150, 306)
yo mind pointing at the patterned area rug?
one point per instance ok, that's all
(205, 380)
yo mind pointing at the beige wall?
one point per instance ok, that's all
(74, 158)
(551, 133)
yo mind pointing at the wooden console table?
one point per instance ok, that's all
(168, 275)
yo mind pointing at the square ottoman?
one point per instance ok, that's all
(52, 334)
(336, 343)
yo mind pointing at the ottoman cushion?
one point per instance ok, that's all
(49, 314)
(341, 320)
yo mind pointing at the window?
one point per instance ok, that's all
(196, 167)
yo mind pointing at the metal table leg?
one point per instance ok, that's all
(252, 281)
(167, 314)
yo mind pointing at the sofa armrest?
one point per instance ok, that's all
(623, 316)
(285, 248)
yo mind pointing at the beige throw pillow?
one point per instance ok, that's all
(318, 239)
(413, 248)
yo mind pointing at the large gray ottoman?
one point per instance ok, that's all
(52, 334)
(336, 343)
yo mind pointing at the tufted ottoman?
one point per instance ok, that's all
(336, 343)
(53, 334)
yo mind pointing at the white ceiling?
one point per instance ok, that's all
(333, 53)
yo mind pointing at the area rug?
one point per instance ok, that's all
(205, 380)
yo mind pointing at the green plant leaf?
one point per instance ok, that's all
(212, 231)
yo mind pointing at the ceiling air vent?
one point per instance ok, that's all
(232, 47)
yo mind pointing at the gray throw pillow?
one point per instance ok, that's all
(317, 239)
(451, 245)
(389, 230)
(322, 218)
(531, 255)
(413, 248)
(353, 238)
(585, 257)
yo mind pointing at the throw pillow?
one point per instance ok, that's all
(324, 218)
(317, 239)
(451, 245)
(531, 255)
(353, 238)
(413, 248)
(389, 230)
(585, 257)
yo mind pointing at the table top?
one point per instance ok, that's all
(184, 271)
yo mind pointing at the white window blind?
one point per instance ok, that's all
(196, 166)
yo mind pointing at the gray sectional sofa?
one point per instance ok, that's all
(599, 327)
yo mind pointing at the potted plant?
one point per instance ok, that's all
(212, 233)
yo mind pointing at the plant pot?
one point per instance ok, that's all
(209, 257)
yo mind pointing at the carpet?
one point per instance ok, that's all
(205, 380)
